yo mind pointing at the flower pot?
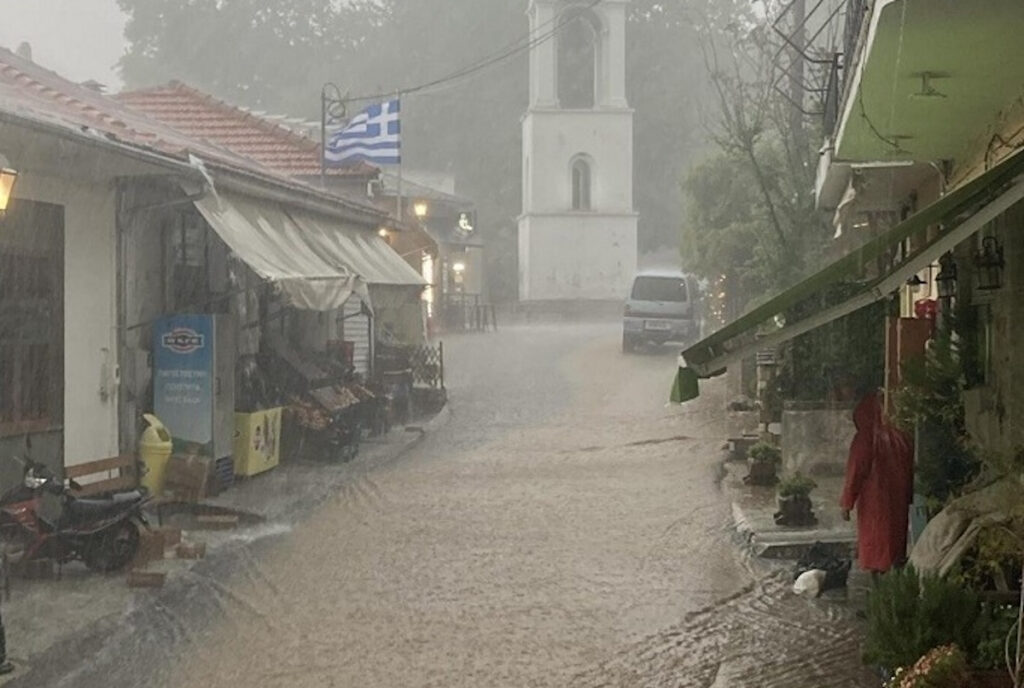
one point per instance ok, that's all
(761, 473)
(795, 510)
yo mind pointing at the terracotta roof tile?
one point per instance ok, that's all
(34, 93)
(200, 115)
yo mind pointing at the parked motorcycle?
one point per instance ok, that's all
(103, 531)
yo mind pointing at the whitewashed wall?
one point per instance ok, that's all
(576, 257)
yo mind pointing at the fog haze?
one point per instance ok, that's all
(80, 39)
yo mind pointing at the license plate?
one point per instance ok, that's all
(657, 325)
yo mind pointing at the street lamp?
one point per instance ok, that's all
(7, 178)
(989, 262)
(946, 279)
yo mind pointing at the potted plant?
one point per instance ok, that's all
(764, 460)
(988, 663)
(909, 614)
(794, 499)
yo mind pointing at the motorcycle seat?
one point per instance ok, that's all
(85, 509)
(130, 496)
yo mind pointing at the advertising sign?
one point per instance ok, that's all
(183, 379)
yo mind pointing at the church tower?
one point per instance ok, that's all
(577, 233)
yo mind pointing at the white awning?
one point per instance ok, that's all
(317, 262)
(274, 246)
(366, 253)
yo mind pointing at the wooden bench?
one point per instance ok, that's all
(124, 469)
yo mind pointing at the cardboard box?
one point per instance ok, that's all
(187, 478)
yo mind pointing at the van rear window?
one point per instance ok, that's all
(659, 289)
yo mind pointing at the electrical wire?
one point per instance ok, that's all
(533, 39)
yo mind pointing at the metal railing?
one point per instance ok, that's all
(467, 313)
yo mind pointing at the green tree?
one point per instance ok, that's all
(753, 219)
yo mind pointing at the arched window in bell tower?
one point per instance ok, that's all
(581, 183)
(578, 50)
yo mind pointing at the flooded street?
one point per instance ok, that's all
(556, 532)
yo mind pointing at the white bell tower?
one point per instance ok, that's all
(578, 230)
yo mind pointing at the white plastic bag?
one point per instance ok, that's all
(809, 583)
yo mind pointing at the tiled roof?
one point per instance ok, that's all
(30, 91)
(271, 143)
(33, 93)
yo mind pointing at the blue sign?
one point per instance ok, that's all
(183, 378)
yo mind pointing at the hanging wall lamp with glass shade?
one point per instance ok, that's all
(946, 280)
(989, 263)
(8, 176)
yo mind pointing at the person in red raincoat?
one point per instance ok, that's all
(880, 486)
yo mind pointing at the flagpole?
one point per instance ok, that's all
(398, 97)
(323, 136)
(332, 111)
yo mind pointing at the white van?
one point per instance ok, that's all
(662, 307)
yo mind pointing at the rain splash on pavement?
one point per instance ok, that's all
(562, 530)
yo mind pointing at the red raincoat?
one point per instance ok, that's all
(880, 484)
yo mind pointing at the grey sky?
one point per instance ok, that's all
(79, 39)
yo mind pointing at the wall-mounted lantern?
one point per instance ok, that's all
(946, 280)
(420, 209)
(989, 262)
(916, 283)
(8, 176)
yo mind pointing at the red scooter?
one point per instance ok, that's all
(103, 532)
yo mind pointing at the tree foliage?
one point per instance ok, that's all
(276, 55)
(752, 214)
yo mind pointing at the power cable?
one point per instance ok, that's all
(509, 51)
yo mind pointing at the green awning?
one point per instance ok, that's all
(960, 214)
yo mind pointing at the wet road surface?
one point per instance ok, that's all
(562, 530)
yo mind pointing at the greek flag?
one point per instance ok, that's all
(374, 135)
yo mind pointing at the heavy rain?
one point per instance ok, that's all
(575, 343)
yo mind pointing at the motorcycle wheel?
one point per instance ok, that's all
(112, 549)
